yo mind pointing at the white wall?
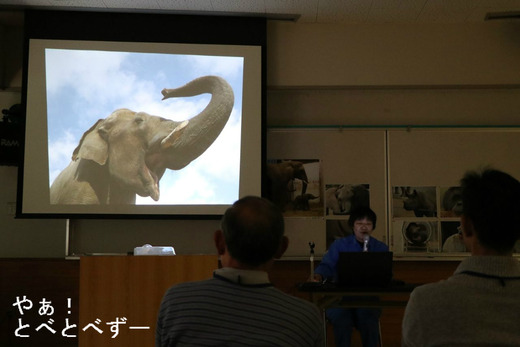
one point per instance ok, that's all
(393, 55)
(26, 238)
(429, 74)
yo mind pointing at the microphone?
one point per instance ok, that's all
(312, 245)
(365, 242)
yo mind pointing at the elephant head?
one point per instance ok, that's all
(280, 178)
(344, 195)
(128, 152)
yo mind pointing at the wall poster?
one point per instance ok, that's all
(425, 167)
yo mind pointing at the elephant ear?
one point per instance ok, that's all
(92, 145)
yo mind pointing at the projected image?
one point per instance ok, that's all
(143, 128)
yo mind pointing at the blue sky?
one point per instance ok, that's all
(84, 86)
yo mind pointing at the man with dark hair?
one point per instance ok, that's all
(479, 305)
(239, 306)
(245, 224)
(363, 222)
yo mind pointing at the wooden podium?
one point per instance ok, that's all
(119, 296)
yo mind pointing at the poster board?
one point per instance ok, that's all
(390, 162)
(430, 163)
(346, 157)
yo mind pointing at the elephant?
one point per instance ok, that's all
(345, 198)
(301, 202)
(128, 152)
(338, 199)
(280, 178)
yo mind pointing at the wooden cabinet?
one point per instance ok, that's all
(120, 295)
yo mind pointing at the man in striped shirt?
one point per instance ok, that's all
(239, 306)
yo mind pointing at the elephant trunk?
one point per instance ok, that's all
(191, 138)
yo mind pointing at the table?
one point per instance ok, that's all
(328, 295)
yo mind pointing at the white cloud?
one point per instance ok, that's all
(89, 73)
(104, 81)
(60, 153)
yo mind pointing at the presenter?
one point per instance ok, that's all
(363, 222)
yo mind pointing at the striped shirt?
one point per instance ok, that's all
(234, 309)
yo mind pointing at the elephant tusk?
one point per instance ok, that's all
(169, 140)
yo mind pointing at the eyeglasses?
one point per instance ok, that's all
(367, 224)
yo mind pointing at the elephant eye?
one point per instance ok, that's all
(102, 132)
(138, 120)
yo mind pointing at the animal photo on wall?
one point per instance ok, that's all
(341, 199)
(294, 186)
(451, 201)
(414, 201)
(415, 236)
(452, 237)
(143, 128)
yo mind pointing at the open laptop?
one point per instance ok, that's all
(364, 269)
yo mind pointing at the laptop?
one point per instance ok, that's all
(364, 269)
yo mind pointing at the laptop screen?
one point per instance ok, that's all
(364, 268)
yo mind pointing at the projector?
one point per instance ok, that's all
(154, 250)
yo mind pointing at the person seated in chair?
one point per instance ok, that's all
(479, 304)
(239, 306)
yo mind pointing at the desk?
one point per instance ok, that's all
(328, 296)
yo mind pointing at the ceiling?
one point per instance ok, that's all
(303, 11)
